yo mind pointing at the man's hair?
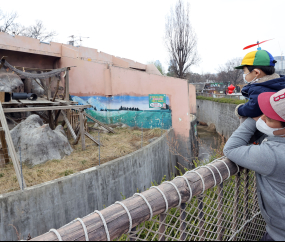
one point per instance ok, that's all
(268, 70)
(283, 124)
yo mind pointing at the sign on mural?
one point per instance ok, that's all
(157, 101)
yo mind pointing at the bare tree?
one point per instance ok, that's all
(228, 74)
(180, 39)
(38, 31)
(7, 21)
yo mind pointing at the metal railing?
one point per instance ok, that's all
(213, 202)
(232, 96)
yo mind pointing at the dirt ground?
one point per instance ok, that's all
(123, 142)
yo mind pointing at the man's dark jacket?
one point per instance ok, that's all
(251, 91)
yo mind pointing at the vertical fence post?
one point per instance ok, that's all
(182, 222)
(236, 206)
(220, 230)
(162, 227)
(201, 217)
(21, 168)
(99, 145)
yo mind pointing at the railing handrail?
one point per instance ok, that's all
(115, 220)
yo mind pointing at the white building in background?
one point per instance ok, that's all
(280, 65)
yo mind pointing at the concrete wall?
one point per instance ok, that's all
(56, 203)
(220, 114)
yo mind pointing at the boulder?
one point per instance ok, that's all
(152, 140)
(38, 142)
(10, 82)
(125, 126)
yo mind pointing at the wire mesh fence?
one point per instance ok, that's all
(226, 212)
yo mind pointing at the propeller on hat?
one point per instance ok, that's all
(258, 43)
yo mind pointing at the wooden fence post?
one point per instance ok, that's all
(67, 85)
(82, 129)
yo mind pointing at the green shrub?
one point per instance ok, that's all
(1, 175)
(222, 100)
(67, 173)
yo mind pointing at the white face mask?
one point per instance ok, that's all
(264, 128)
(253, 81)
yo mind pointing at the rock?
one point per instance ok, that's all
(116, 125)
(153, 139)
(211, 128)
(38, 142)
(96, 125)
(203, 123)
(10, 82)
(103, 129)
(125, 126)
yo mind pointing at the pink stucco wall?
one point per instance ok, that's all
(98, 73)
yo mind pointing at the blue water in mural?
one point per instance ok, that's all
(146, 117)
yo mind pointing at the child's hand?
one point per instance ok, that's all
(256, 118)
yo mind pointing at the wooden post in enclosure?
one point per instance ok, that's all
(82, 131)
(4, 146)
(11, 148)
(67, 85)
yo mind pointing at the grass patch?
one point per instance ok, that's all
(67, 173)
(222, 100)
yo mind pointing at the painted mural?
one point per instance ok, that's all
(130, 110)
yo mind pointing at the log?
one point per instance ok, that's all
(11, 148)
(98, 122)
(71, 131)
(117, 218)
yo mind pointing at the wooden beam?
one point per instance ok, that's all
(67, 85)
(139, 211)
(92, 138)
(30, 109)
(48, 89)
(98, 122)
(68, 125)
(77, 138)
(82, 131)
(11, 147)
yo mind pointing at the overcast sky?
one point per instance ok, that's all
(134, 29)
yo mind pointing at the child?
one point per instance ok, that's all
(259, 73)
(266, 159)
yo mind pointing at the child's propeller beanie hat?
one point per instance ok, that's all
(257, 58)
